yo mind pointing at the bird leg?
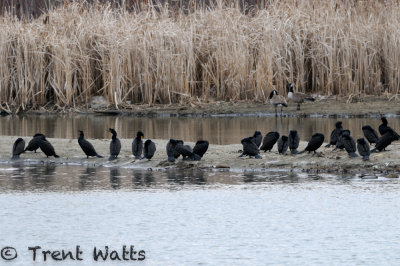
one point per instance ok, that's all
(276, 111)
(298, 107)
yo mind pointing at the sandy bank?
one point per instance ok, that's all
(218, 157)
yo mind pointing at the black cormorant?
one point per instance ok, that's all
(335, 134)
(115, 145)
(283, 144)
(86, 146)
(316, 141)
(33, 144)
(250, 148)
(201, 147)
(277, 100)
(137, 145)
(384, 141)
(370, 134)
(257, 138)
(349, 144)
(294, 141)
(18, 148)
(384, 128)
(297, 97)
(186, 151)
(46, 147)
(171, 153)
(149, 149)
(339, 142)
(269, 141)
(363, 149)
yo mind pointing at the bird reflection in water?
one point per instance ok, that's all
(197, 177)
(193, 176)
(115, 178)
(87, 178)
(18, 176)
(42, 176)
(142, 178)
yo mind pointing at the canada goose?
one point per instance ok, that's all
(363, 149)
(294, 140)
(149, 149)
(18, 148)
(86, 146)
(297, 97)
(46, 147)
(335, 134)
(349, 144)
(115, 145)
(250, 148)
(277, 100)
(269, 141)
(257, 138)
(200, 148)
(283, 145)
(137, 145)
(171, 153)
(370, 134)
(384, 128)
(316, 141)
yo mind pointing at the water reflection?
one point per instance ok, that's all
(115, 178)
(42, 177)
(218, 130)
(142, 178)
(87, 178)
(19, 177)
(192, 176)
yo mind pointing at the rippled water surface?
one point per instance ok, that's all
(196, 218)
(218, 130)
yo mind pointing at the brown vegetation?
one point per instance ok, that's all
(160, 55)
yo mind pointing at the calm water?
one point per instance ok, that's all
(218, 130)
(198, 218)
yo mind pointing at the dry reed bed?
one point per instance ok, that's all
(75, 53)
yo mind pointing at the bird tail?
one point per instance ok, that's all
(311, 99)
(374, 150)
(294, 151)
(353, 154)
(301, 152)
(15, 157)
(171, 159)
(285, 104)
(99, 156)
(328, 145)
(112, 157)
(56, 156)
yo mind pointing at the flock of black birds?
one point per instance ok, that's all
(175, 148)
(340, 138)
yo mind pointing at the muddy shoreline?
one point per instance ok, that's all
(367, 106)
(217, 158)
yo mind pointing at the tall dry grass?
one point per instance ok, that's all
(160, 55)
